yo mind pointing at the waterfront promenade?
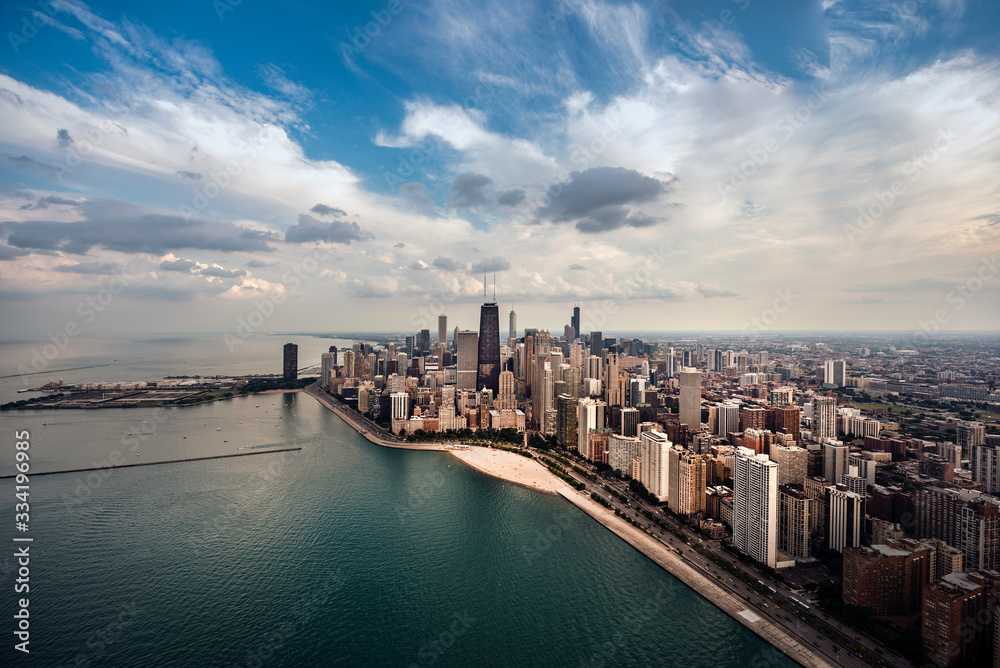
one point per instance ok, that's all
(529, 473)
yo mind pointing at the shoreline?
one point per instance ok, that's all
(495, 463)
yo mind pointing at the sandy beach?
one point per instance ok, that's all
(513, 468)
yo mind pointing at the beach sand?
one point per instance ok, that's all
(512, 467)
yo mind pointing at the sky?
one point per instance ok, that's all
(755, 165)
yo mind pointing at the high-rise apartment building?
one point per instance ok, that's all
(834, 461)
(969, 435)
(327, 362)
(986, 464)
(690, 399)
(845, 517)
(835, 372)
(290, 367)
(795, 510)
(824, 418)
(755, 506)
(654, 449)
(590, 416)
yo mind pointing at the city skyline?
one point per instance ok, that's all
(672, 167)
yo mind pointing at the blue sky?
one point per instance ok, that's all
(671, 165)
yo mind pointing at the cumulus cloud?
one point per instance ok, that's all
(611, 218)
(324, 210)
(180, 264)
(121, 226)
(310, 229)
(510, 198)
(416, 193)
(260, 264)
(87, 268)
(446, 263)
(221, 272)
(7, 253)
(490, 265)
(468, 190)
(587, 192)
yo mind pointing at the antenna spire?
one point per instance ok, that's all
(494, 287)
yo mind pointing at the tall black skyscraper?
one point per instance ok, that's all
(596, 343)
(291, 362)
(488, 370)
(575, 322)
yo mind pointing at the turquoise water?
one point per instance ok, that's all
(343, 553)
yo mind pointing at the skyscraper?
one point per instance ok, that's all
(824, 419)
(466, 347)
(690, 403)
(291, 362)
(575, 322)
(655, 447)
(755, 506)
(443, 330)
(596, 343)
(512, 328)
(834, 461)
(969, 435)
(488, 375)
(845, 517)
(834, 372)
(795, 510)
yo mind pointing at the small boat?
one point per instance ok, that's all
(218, 429)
